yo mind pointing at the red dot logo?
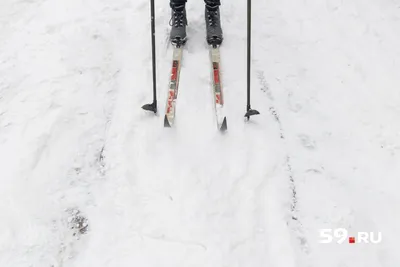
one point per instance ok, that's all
(352, 240)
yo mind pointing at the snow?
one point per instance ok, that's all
(90, 179)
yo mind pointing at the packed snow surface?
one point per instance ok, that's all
(90, 179)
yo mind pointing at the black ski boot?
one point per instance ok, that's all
(213, 25)
(178, 24)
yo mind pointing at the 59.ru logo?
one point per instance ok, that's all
(341, 235)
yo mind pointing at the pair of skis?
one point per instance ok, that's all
(170, 108)
(173, 89)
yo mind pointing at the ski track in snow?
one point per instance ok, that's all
(332, 100)
(324, 153)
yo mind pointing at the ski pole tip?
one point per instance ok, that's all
(150, 107)
(251, 112)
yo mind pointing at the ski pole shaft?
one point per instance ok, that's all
(153, 106)
(248, 51)
(153, 45)
(250, 112)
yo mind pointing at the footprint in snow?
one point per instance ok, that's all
(307, 142)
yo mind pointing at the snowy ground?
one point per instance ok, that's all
(76, 149)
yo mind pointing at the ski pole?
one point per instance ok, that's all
(153, 106)
(249, 111)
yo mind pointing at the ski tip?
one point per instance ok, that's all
(166, 122)
(224, 125)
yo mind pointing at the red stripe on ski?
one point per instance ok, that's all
(171, 96)
(216, 72)
(218, 99)
(174, 72)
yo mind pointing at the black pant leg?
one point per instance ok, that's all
(213, 3)
(177, 3)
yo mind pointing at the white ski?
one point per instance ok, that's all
(217, 88)
(173, 87)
